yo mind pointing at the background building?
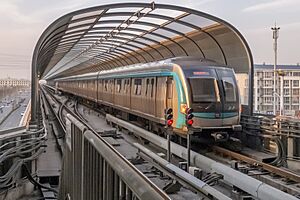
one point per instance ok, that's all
(242, 80)
(14, 82)
(263, 88)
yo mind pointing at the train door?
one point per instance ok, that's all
(100, 90)
(161, 92)
(147, 99)
(151, 95)
(127, 86)
(169, 96)
(136, 92)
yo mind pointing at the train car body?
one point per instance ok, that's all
(147, 90)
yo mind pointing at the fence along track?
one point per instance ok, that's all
(97, 171)
(287, 129)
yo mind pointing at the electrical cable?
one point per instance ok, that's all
(33, 181)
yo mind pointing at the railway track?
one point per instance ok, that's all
(243, 159)
(153, 176)
(270, 168)
(281, 178)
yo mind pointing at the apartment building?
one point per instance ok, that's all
(287, 86)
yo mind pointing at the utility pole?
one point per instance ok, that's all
(281, 74)
(275, 30)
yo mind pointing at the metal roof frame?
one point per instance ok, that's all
(110, 36)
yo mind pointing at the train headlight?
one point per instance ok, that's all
(183, 108)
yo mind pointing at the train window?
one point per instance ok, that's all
(99, 85)
(169, 88)
(106, 85)
(110, 86)
(138, 86)
(128, 86)
(125, 86)
(203, 90)
(229, 87)
(118, 85)
(147, 85)
(152, 87)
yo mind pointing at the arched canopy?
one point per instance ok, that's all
(110, 36)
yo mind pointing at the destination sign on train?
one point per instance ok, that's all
(201, 73)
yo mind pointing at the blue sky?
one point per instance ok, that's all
(22, 22)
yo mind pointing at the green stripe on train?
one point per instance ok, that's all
(213, 115)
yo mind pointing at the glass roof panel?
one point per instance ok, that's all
(198, 21)
(77, 29)
(71, 34)
(153, 20)
(154, 37)
(123, 9)
(165, 33)
(142, 27)
(120, 17)
(168, 12)
(179, 27)
(82, 22)
(87, 14)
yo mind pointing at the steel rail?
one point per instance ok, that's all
(76, 111)
(183, 177)
(278, 171)
(57, 115)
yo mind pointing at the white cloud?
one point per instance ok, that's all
(10, 11)
(271, 5)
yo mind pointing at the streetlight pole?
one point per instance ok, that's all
(275, 37)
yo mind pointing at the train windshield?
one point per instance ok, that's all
(229, 89)
(229, 85)
(203, 90)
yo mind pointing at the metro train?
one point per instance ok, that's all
(143, 93)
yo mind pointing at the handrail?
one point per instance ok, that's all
(90, 162)
(26, 117)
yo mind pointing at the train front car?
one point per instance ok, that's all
(212, 94)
